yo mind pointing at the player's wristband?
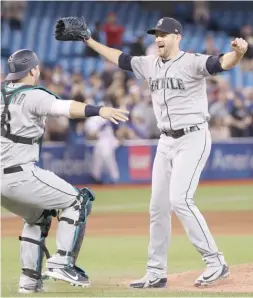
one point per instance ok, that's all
(90, 111)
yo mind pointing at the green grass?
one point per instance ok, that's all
(208, 198)
(109, 260)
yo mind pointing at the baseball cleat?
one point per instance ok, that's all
(23, 290)
(26, 290)
(81, 271)
(148, 282)
(211, 275)
(73, 276)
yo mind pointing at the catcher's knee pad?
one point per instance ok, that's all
(33, 246)
(76, 217)
(86, 196)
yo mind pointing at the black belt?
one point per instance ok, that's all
(19, 139)
(175, 134)
(13, 170)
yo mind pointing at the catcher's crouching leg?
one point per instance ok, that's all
(32, 251)
(69, 238)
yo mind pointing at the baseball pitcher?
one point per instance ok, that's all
(36, 194)
(178, 87)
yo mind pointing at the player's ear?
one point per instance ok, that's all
(33, 72)
(175, 36)
(179, 37)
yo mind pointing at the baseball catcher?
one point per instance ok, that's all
(36, 194)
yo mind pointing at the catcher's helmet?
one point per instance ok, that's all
(20, 63)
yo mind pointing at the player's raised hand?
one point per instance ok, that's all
(239, 45)
(114, 115)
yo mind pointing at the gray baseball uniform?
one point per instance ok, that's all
(29, 110)
(28, 190)
(178, 90)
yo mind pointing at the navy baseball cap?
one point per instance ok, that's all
(167, 25)
(20, 63)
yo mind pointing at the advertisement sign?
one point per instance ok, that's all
(140, 162)
(227, 160)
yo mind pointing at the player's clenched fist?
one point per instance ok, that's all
(239, 45)
(114, 115)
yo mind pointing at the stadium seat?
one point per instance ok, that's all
(38, 32)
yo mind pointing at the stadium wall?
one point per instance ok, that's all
(232, 159)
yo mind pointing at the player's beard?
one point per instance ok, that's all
(169, 51)
(165, 52)
(160, 52)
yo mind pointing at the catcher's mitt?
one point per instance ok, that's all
(72, 28)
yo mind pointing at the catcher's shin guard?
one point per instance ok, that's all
(71, 230)
(33, 250)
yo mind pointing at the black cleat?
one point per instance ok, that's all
(73, 275)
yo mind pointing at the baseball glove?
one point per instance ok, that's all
(72, 29)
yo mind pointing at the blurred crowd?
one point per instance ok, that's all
(112, 87)
(13, 12)
(202, 16)
(112, 34)
(231, 110)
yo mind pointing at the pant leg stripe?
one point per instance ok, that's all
(189, 189)
(53, 187)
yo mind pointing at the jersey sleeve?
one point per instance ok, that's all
(140, 66)
(40, 102)
(199, 67)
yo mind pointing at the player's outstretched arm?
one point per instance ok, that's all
(74, 109)
(229, 60)
(107, 52)
(76, 29)
(48, 104)
(82, 110)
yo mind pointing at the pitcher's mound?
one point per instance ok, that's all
(240, 280)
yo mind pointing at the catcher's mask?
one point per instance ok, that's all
(20, 63)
